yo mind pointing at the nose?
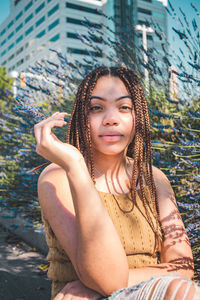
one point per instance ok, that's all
(111, 118)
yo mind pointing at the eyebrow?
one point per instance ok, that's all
(120, 98)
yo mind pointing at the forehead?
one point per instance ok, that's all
(110, 86)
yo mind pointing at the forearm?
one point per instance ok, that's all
(99, 253)
(143, 274)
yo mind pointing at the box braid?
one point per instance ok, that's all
(140, 147)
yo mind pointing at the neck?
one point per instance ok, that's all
(112, 173)
(105, 164)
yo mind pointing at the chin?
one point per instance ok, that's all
(111, 150)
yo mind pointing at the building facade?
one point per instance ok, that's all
(152, 12)
(33, 27)
(127, 15)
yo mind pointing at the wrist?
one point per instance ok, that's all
(76, 167)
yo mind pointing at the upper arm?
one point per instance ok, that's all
(176, 246)
(57, 206)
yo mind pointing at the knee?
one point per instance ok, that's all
(180, 289)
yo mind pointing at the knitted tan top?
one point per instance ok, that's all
(135, 232)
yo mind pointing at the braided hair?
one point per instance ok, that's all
(139, 149)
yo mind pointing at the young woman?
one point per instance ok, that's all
(111, 218)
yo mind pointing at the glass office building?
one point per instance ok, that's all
(34, 26)
(127, 14)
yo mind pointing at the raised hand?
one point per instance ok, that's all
(50, 147)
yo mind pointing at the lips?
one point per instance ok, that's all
(111, 136)
(111, 133)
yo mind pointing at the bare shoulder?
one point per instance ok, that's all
(162, 184)
(159, 176)
(53, 187)
(51, 172)
(57, 206)
(176, 246)
(166, 197)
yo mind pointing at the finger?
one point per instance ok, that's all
(46, 129)
(59, 296)
(55, 116)
(58, 114)
(55, 137)
(38, 127)
(37, 133)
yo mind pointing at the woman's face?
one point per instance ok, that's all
(111, 116)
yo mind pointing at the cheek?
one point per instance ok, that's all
(132, 123)
(93, 124)
(132, 128)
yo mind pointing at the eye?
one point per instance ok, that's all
(95, 108)
(126, 108)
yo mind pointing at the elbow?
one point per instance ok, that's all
(190, 274)
(187, 272)
(109, 289)
(104, 284)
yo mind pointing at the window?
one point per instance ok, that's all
(28, 5)
(11, 68)
(144, 11)
(3, 31)
(10, 35)
(19, 27)
(20, 62)
(3, 53)
(19, 50)
(93, 38)
(54, 24)
(80, 22)
(74, 21)
(53, 10)
(48, 1)
(150, 1)
(19, 39)
(19, 15)
(40, 21)
(55, 38)
(40, 7)
(72, 35)
(11, 57)
(149, 37)
(4, 63)
(82, 8)
(142, 22)
(3, 42)
(29, 30)
(84, 52)
(17, 1)
(10, 24)
(40, 34)
(28, 18)
(11, 46)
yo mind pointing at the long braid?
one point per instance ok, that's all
(142, 146)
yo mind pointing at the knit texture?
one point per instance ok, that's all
(134, 230)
